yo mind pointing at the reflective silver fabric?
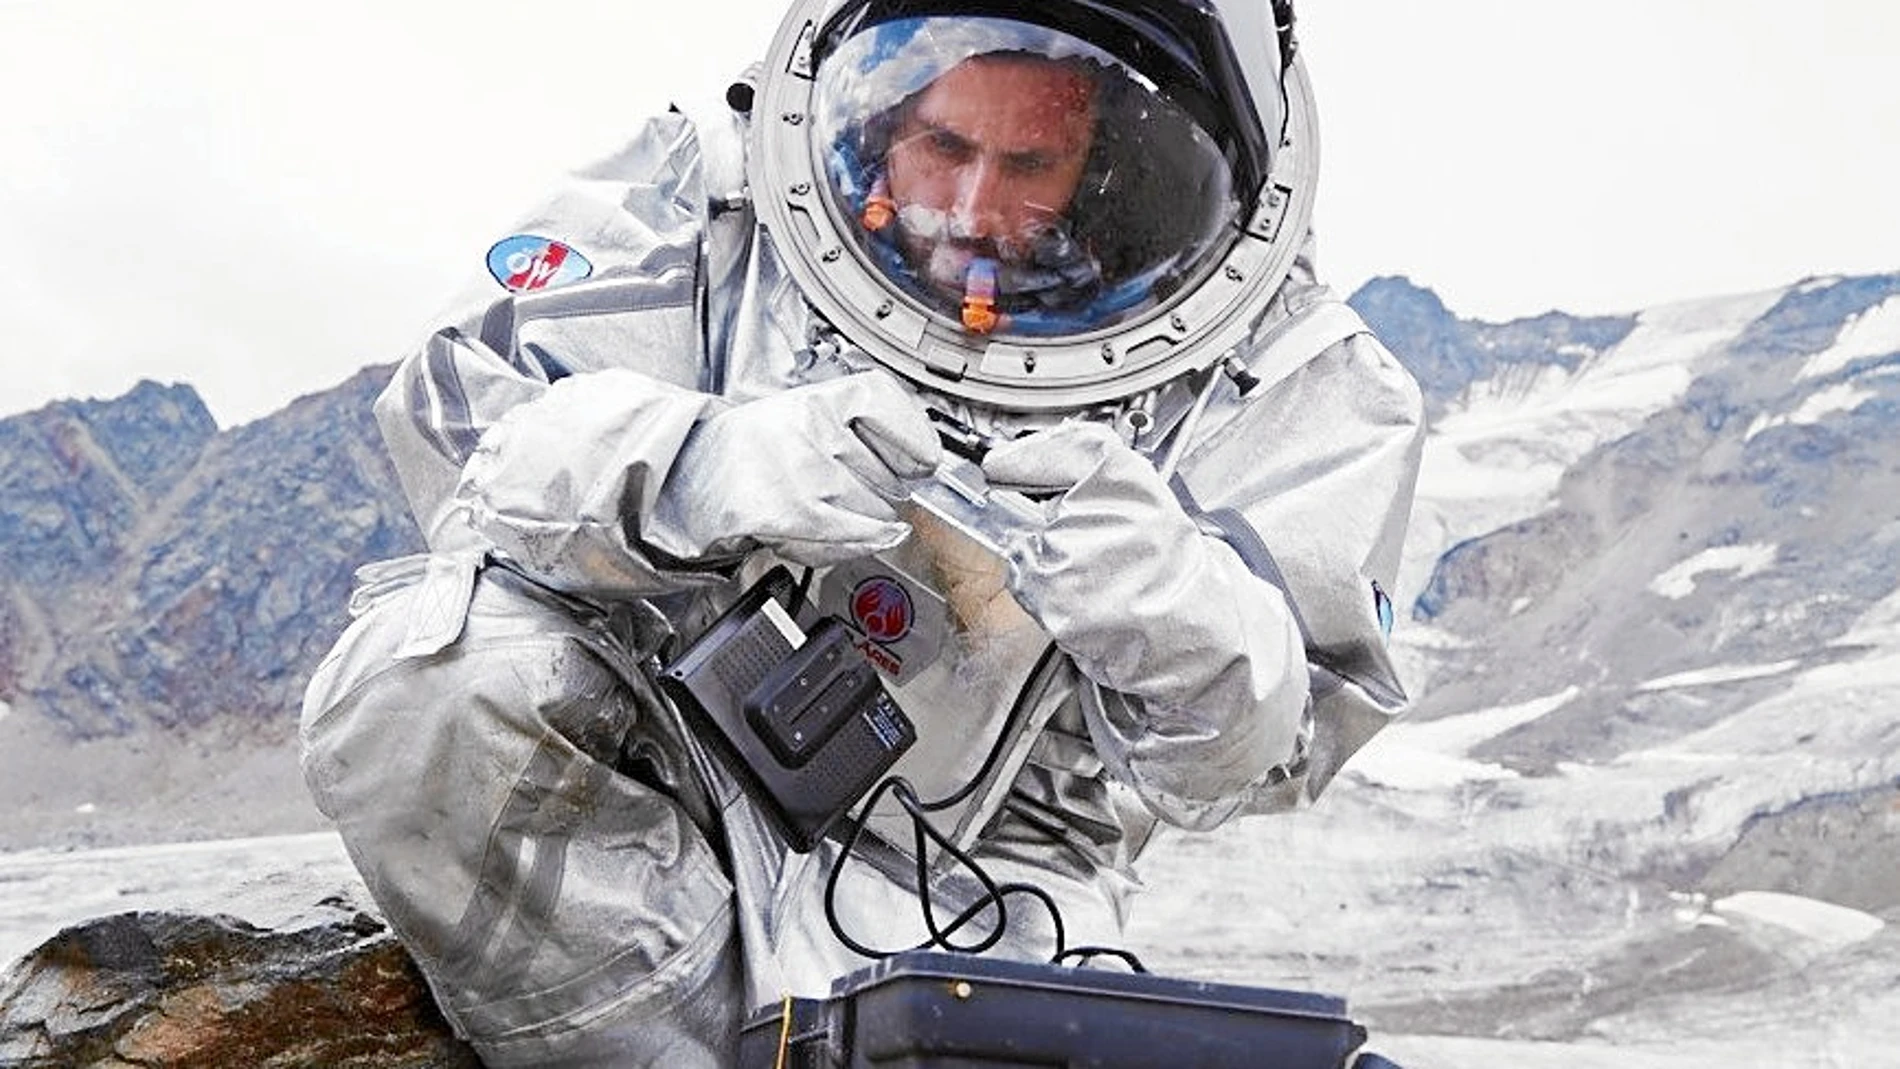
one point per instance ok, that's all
(479, 792)
(580, 882)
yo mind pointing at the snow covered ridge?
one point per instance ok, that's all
(1649, 787)
(1873, 333)
(1775, 380)
(1664, 528)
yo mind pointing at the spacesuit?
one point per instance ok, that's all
(746, 339)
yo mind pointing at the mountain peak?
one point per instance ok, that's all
(1397, 292)
(1447, 354)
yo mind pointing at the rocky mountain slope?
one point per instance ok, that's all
(165, 590)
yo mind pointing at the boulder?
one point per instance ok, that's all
(329, 986)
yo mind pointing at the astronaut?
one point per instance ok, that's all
(1010, 307)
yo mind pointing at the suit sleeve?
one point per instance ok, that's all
(1308, 488)
(538, 423)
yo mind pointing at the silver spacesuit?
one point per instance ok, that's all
(661, 386)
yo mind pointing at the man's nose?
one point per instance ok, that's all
(981, 209)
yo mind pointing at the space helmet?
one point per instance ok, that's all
(1039, 206)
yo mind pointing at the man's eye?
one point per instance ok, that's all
(1029, 163)
(948, 145)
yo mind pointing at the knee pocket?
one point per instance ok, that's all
(477, 792)
(685, 1011)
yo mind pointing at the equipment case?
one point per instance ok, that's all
(927, 1010)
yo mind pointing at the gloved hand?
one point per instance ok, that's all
(1125, 582)
(811, 473)
(1203, 669)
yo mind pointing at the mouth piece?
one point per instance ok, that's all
(979, 297)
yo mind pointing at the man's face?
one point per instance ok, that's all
(988, 158)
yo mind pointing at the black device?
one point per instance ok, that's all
(925, 1009)
(803, 719)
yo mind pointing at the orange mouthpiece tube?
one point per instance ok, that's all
(878, 212)
(979, 297)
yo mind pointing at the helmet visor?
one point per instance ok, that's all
(1015, 179)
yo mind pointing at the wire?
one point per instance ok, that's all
(939, 937)
(1085, 954)
(784, 1032)
(1034, 685)
(800, 593)
(993, 899)
(1283, 19)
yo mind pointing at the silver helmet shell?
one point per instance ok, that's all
(792, 177)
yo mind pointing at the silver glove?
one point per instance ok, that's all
(811, 473)
(1128, 585)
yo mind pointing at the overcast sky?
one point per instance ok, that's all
(259, 199)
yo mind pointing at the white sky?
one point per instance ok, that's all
(259, 199)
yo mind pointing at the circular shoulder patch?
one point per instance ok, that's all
(529, 262)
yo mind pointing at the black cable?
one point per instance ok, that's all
(921, 828)
(923, 832)
(992, 896)
(1283, 19)
(1086, 954)
(1033, 686)
(800, 593)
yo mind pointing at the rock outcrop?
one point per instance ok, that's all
(166, 588)
(159, 572)
(330, 987)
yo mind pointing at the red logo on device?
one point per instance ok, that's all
(881, 606)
